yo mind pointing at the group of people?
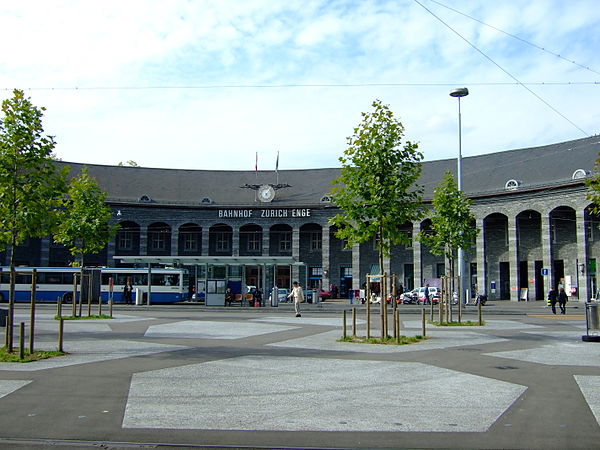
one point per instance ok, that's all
(256, 297)
(559, 297)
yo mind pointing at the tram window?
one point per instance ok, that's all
(23, 279)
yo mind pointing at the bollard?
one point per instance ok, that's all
(74, 300)
(395, 325)
(399, 334)
(22, 340)
(432, 311)
(100, 305)
(345, 329)
(110, 306)
(423, 321)
(353, 322)
(368, 320)
(480, 316)
(61, 330)
(459, 311)
(32, 310)
(59, 307)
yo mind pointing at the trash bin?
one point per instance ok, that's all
(593, 316)
(274, 297)
(316, 296)
(139, 297)
(3, 316)
(592, 321)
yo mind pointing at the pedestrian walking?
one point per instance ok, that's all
(562, 300)
(552, 299)
(127, 292)
(297, 295)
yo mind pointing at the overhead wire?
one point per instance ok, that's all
(482, 53)
(525, 41)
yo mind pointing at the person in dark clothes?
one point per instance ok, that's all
(552, 299)
(562, 301)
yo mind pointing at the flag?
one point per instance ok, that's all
(277, 162)
(256, 163)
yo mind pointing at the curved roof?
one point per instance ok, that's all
(532, 168)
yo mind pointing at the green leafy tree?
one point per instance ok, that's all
(84, 226)
(31, 186)
(452, 223)
(376, 189)
(593, 185)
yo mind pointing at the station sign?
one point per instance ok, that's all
(267, 213)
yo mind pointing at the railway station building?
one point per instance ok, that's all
(267, 228)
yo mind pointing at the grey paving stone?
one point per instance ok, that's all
(292, 394)
(200, 329)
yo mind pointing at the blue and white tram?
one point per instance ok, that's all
(167, 285)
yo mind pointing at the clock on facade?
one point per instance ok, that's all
(266, 193)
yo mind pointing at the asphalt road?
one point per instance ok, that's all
(188, 376)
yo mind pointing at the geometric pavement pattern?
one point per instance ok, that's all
(292, 393)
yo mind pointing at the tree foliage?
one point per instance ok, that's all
(593, 185)
(452, 221)
(84, 226)
(376, 188)
(31, 186)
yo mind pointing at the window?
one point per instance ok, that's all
(254, 242)
(346, 271)
(190, 242)
(285, 242)
(125, 240)
(222, 241)
(158, 241)
(315, 241)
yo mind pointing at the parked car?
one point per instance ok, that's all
(282, 295)
(434, 295)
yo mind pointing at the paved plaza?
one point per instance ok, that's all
(191, 376)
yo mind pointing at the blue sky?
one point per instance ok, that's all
(207, 84)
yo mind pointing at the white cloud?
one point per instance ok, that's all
(143, 43)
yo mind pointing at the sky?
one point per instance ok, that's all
(218, 84)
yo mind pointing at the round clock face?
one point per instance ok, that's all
(266, 193)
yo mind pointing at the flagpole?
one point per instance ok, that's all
(277, 168)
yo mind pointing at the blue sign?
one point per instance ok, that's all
(545, 272)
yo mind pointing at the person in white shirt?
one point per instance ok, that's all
(297, 295)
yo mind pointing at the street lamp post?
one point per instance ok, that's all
(458, 93)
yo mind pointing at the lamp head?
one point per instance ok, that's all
(459, 92)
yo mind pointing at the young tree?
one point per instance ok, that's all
(31, 186)
(451, 224)
(84, 225)
(376, 188)
(593, 185)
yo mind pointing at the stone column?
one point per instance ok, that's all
(205, 240)
(582, 256)
(356, 279)
(110, 252)
(547, 252)
(296, 254)
(513, 258)
(174, 241)
(327, 275)
(235, 241)
(417, 280)
(143, 240)
(266, 242)
(482, 278)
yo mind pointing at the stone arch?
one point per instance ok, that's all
(127, 239)
(159, 239)
(220, 240)
(190, 239)
(251, 240)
